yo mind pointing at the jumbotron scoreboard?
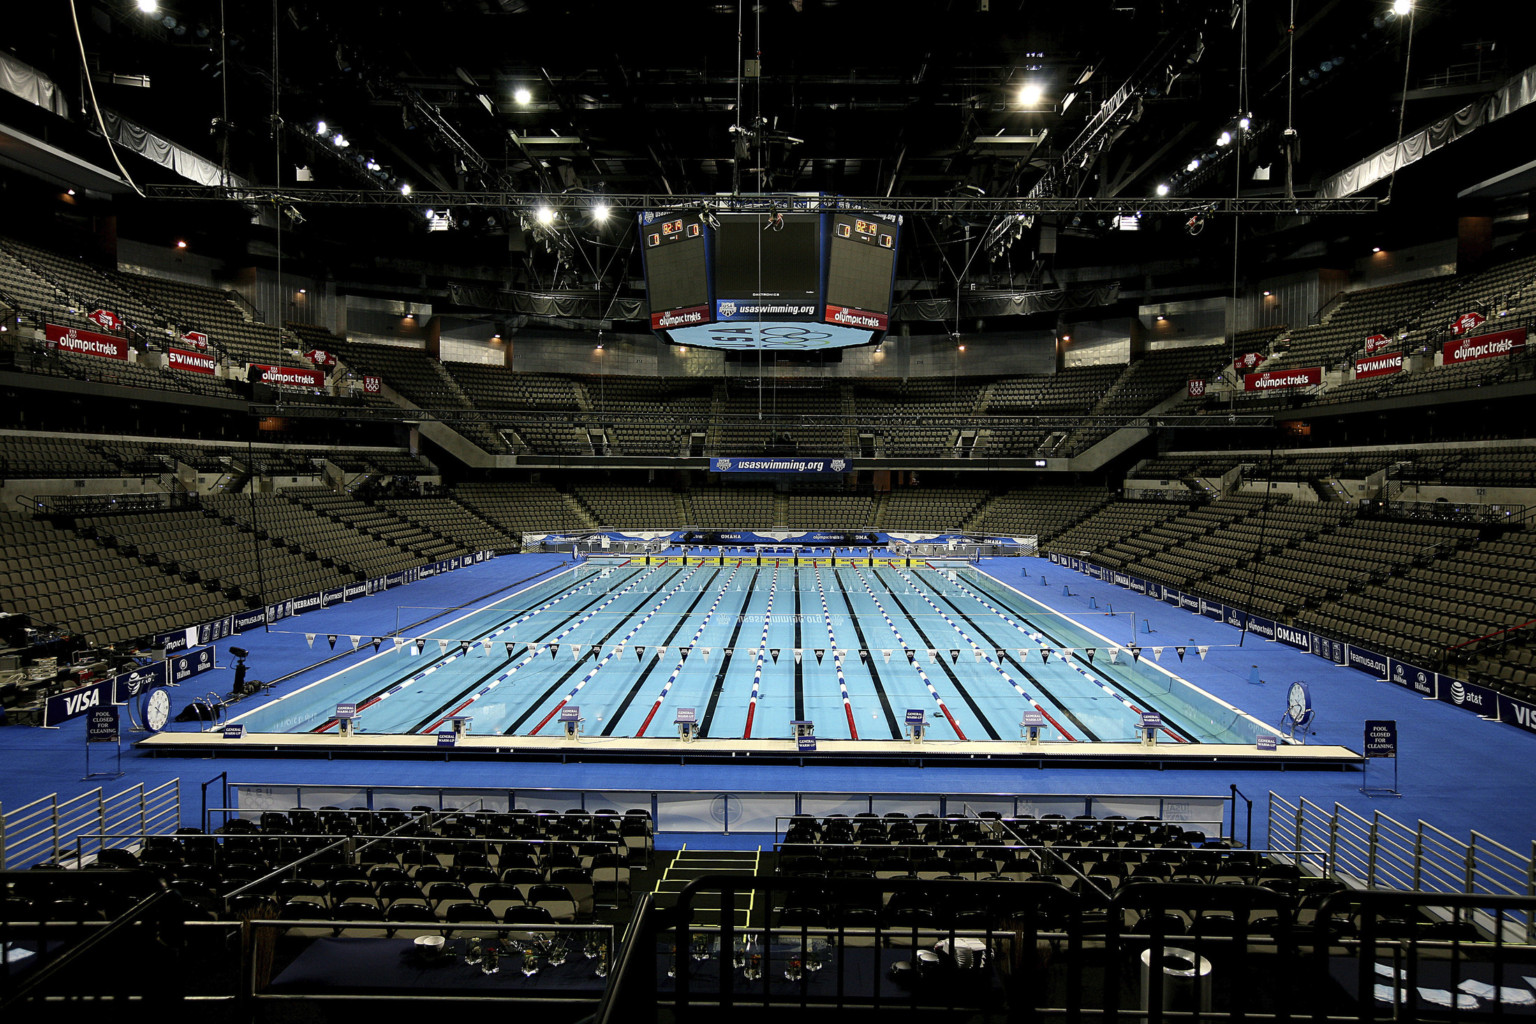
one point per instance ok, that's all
(789, 282)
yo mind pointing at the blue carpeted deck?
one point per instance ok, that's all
(1456, 772)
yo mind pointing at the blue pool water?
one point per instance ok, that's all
(873, 642)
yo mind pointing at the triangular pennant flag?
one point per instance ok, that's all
(977, 651)
(487, 644)
(885, 653)
(661, 652)
(730, 651)
(954, 655)
(1203, 651)
(331, 639)
(378, 642)
(821, 652)
(1000, 655)
(707, 652)
(1089, 651)
(1157, 653)
(1135, 654)
(509, 648)
(399, 642)
(1022, 652)
(864, 655)
(933, 656)
(774, 652)
(355, 641)
(1114, 655)
(1045, 655)
(554, 649)
(640, 652)
(442, 646)
(1180, 652)
(911, 654)
(575, 651)
(463, 647)
(684, 652)
(798, 652)
(421, 645)
(309, 638)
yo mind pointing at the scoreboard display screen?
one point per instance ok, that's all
(759, 259)
(676, 268)
(861, 264)
(793, 282)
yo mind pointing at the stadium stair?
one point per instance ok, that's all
(689, 865)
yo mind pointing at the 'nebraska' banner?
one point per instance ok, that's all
(1378, 366)
(84, 343)
(289, 375)
(1269, 380)
(1484, 346)
(192, 362)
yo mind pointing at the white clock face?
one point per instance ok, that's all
(1298, 700)
(157, 709)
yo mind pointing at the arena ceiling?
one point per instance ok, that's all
(1102, 99)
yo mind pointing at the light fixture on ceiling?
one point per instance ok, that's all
(1162, 190)
(1031, 94)
(405, 188)
(545, 215)
(1399, 7)
(600, 212)
(522, 96)
(148, 6)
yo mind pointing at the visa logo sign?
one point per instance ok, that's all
(76, 703)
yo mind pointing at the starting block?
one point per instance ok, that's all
(460, 725)
(570, 720)
(1151, 721)
(687, 722)
(1031, 727)
(346, 714)
(917, 722)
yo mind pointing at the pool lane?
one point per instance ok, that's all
(393, 668)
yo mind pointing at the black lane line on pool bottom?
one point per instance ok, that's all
(577, 666)
(1169, 722)
(798, 653)
(402, 680)
(459, 696)
(869, 662)
(645, 673)
(725, 661)
(953, 678)
(410, 625)
(1023, 669)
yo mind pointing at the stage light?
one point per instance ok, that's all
(180, 244)
(1161, 318)
(600, 212)
(545, 215)
(320, 128)
(1399, 7)
(1375, 248)
(1224, 138)
(431, 213)
(1244, 122)
(1030, 94)
(71, 191)
(523, 97)
(148, 6)
(1162, 190)
(340, 141)
(1194, 165)
(405, 188)
(1267, 293)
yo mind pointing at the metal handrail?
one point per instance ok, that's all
(39, 831)
(1380, 852)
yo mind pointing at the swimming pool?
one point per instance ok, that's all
(851, 645)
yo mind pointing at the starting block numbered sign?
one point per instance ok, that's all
(1032, 726)
(570, 720)
(687, 722)
(917, 722)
